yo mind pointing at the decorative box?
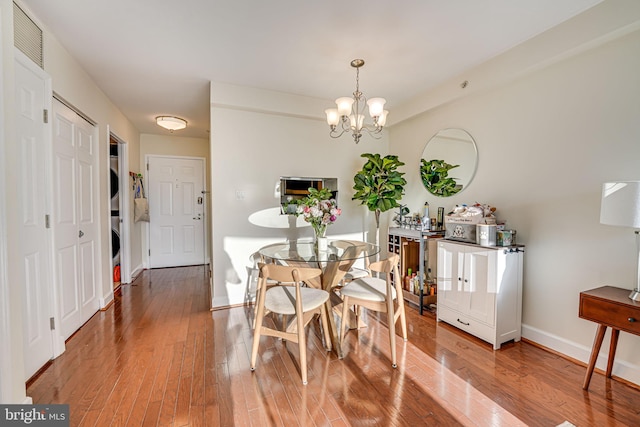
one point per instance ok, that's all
(460, 228)
(506, 237)
(486, 234)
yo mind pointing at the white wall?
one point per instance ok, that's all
(250, 150)
(547, 141)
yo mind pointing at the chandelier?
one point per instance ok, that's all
(349, 117)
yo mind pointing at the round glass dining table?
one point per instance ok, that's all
(337, 250)
(335, 262)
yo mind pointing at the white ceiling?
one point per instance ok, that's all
(157, 57)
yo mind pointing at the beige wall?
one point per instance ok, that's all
(547, 141)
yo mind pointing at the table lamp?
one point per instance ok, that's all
(621, 206)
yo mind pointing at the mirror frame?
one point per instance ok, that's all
(467, 160)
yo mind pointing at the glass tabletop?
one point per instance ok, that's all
(338, 250)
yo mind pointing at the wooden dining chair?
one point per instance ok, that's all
(289, 298)
(353, 272)
(377, 294)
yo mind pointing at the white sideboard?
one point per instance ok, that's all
(480, 290)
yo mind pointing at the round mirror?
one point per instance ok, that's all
(448, 162)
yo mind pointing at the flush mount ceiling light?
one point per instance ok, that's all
(349, 112)
(171, 123)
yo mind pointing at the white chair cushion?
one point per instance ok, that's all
(356, 273)
(282, 299)
(368, 288)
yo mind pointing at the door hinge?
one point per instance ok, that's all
(149, 252)
(147, 166)
(52, 323)
(47, 221)
(45, 115)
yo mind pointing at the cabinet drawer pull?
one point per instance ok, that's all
(631, 319)
(464, 323)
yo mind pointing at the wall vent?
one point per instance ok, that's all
(27, 36)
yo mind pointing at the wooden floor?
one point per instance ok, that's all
(158, 356)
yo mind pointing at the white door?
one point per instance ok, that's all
(176, 208)
(480, 269)
(450, 275)
(33, 92)
(75, 218)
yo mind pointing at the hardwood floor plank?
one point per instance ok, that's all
(159, 357)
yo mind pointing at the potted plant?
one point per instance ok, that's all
(379, 185)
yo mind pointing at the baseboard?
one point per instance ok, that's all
(136, 272)
(106, 301)
(622, 368)
(27, 401)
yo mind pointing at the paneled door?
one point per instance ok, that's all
(176, 211)
(33, 92)
(75, 217)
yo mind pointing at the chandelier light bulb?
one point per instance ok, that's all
(357, 125)
(333, 118)
(382, 119)
(376, 106)
(344, 105)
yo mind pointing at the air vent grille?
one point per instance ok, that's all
(27, 36)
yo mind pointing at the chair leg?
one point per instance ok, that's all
(325, 327)
(403, 319)
(392, 331)
(256, 336)
(302, 346)
(343, 321)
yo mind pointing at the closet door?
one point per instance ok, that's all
(32, 92)
(76, 222)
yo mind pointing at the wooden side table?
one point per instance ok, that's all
(612, 307)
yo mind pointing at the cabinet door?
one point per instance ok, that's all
(450, 275)
(480, 284)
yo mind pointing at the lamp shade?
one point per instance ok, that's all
(171, 123)
(621, 204)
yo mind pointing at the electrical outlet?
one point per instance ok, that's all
(239, 195)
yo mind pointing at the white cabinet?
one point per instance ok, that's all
(480, 290)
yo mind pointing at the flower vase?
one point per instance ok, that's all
(320, 241)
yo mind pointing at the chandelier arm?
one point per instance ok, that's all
(375, 133)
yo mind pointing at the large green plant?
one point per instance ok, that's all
(379, 185)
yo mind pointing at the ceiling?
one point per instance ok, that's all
(157, 57)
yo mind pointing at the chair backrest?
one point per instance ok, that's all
(288, 274)
(386, 265)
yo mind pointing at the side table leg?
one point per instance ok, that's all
(612, 350)
(597, 343)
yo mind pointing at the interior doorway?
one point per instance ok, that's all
(119, 193)
(177, 211)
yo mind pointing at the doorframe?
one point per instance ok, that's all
(6, 355)
(205, 194)
(124, 189)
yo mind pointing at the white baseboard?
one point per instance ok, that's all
(136, 272)
(621, 368)
(106, 300)
(27, 401)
